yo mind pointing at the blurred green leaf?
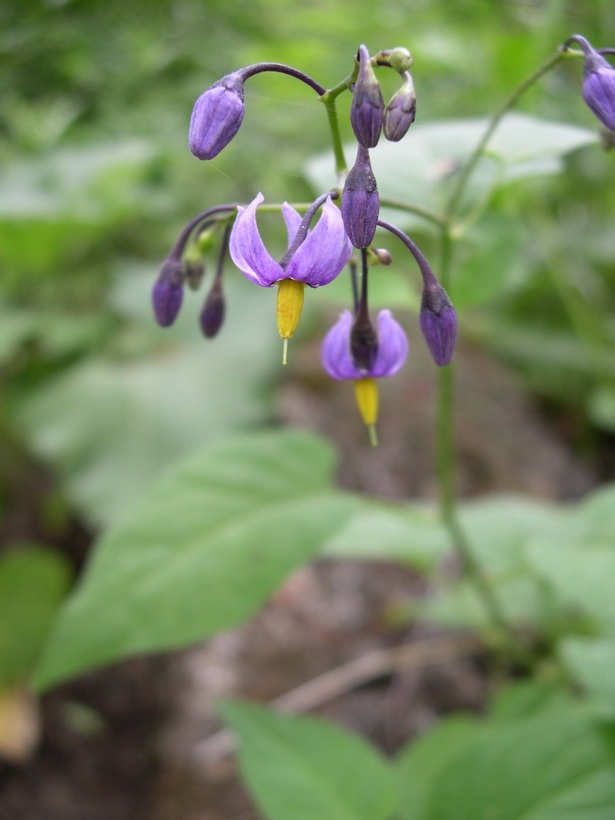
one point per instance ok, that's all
(421, 168)
(592, 663)
(550, 765)
(206, 545)
(33, 581)
(308, 769)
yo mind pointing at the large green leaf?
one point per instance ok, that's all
(592, 662)
(553, 764)
(207, 544)
(109, 426)
(308, 769)
(33, 581)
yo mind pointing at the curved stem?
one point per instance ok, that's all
(493, 123)
(281, 68)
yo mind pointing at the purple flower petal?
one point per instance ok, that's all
(599, 89)
(247, 249)
(324, 252)
(392, 348)
(292, 219)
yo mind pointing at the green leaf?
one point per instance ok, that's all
(554, 764)
(592, 662)
(109, 427)
(206, 545)
(406, 532)
(308, 769)
(33, 581)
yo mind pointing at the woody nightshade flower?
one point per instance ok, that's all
(315, 257)
(438, 323)
(168, 292)
(217, 116)
(367, 107)
(400, 111)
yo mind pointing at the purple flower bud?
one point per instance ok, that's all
(400, 111)
(216, 116)
(438, 323)
(366, 110)
(212, 315)
(360, 201)
(168, 292)
(599, 87)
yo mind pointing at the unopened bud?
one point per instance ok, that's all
(382, 255)
(599, 87)
(216, 116)
(360, 201)
(438, 323)
(400, 111)
(367, 108)
(168, 292)
(193, 266)
(400, 59)
(212, 315)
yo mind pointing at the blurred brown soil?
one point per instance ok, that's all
(126, 742)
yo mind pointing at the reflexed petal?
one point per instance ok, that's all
(247, 249)
(292, 219)
(392, 346)
(336, 358)
(324, 252)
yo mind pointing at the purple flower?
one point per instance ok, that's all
(317, 261)
(438, 323)
(360, 201)
(599, 88)
(216, 116)
(392, 349)
(367, 108)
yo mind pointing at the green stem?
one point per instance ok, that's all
(446, 467)
(493, 123)
(336, 138)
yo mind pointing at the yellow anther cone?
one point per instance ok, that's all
(366, 394)
(288, 309)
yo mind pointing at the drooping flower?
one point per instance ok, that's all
(217, 116)
(367, 107)
(316, 261)
(338, 361)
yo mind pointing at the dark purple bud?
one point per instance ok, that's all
(360, 201)
(216, 116)
(212, 315)
(363, 342)
(168, 292)
(400, 111)
(367, 108)
(599, 87)
(438, 323)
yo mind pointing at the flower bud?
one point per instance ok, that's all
(400, 111)
(216, 116)
(193, 266)
(400, 59)
(360, 201)
(168, 292)
(383, 256)
(599, 87)
(367, 108)
(438, 323)
(212, 315)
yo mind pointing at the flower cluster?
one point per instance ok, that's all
(336, 231)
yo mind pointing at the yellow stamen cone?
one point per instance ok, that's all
(288, 309)
(366, 394)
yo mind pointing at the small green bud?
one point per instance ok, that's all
(400, 59)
